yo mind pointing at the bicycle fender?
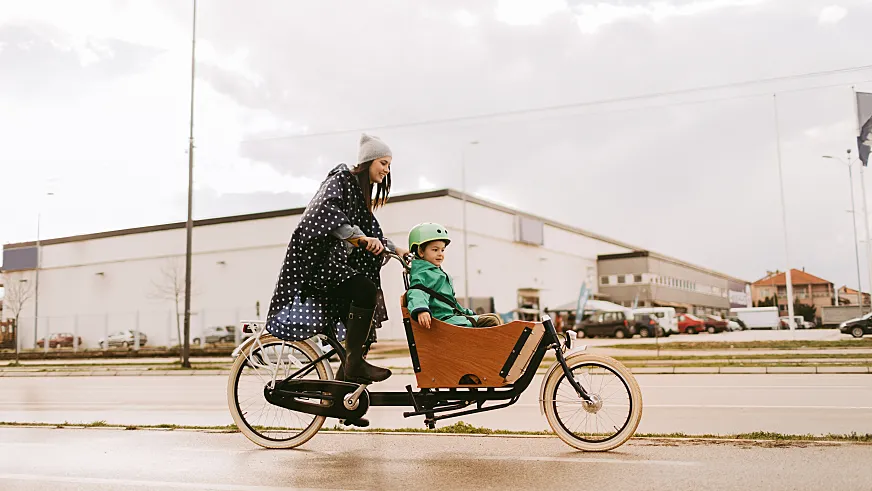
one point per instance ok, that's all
(575, 353)
(326, 363)
(242, 346)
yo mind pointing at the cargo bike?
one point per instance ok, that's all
(280, 393)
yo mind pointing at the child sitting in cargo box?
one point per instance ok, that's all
(431, 293)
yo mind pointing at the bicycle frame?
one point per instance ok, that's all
(428, 402)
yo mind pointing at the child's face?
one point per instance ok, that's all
(433, 252)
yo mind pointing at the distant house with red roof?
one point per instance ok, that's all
(808, 289)
(848, 296)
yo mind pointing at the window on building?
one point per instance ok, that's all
(528, 305)
(529, 230)
(622, 279)
(604, 280)
(637, 278)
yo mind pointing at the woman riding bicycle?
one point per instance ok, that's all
(326, 283)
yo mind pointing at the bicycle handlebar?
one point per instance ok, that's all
(390, 254)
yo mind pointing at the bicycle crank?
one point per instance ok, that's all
(330, 398)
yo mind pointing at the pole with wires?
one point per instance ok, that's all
(189, 226)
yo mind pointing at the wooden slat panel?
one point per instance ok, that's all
(447, 353)
(520, 365)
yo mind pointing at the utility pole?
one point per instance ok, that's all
(189, 226)
(36, 284)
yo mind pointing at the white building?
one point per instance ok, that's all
(106, 282)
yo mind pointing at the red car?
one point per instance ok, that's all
(715, 323)
(59, 339)
(690, 324)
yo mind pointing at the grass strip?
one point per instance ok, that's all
(462, 428)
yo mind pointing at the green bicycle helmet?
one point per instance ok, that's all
(427, 232)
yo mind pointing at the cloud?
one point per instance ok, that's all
(593, 16)
(832, 14)
(524, 13)
(283, 89)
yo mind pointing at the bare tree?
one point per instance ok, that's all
(18, 291)
(171, 286)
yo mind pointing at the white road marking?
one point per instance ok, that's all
(580, 460)
(152, 484)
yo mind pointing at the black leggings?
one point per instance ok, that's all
(359, 289)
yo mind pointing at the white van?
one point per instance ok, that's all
(665, 316)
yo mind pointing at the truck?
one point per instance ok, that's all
(757, 317)
(833, 315)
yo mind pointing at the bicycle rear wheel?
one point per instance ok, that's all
(258, 364)
(612, 416)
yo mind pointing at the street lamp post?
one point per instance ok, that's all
(854, 223)
(787, 276)
(465, 237)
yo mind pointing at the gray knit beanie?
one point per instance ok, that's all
(372, 148)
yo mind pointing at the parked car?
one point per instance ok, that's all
(59, 340)
(690, 324)
(646, 325)
(615, 324)
(714, 323)
(666, 316)
(123, 339)
(218, 334)
(740, 322)
(857, 327)
(733, 325)
(797, 319)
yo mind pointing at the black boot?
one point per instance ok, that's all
(355, 368)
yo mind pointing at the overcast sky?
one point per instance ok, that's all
(94, 101)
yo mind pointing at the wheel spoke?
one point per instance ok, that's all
(266, 420)
(593, 424)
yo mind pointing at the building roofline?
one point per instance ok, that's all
(770, 280)
(546, 221)
(679, 262)
(206, 222)
(299, 210)
(394, 199)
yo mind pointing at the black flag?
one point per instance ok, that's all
(864, 115)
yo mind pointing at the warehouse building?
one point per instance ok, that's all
(98, 284)
(648, 279)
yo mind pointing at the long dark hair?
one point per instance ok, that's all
(382, 189)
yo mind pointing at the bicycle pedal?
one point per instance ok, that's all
(360, 423)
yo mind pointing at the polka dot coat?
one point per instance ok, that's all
(316, 262)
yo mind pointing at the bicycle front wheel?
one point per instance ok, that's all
(612, 415)
(269, 361)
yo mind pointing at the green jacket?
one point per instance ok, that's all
(427, 274)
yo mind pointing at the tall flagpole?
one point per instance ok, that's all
(791, 321)
(863, 190)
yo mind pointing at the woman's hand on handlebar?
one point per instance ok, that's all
(371, 244)
(424, 320)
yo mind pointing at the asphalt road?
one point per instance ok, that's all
(101, 460)
(691, 404)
